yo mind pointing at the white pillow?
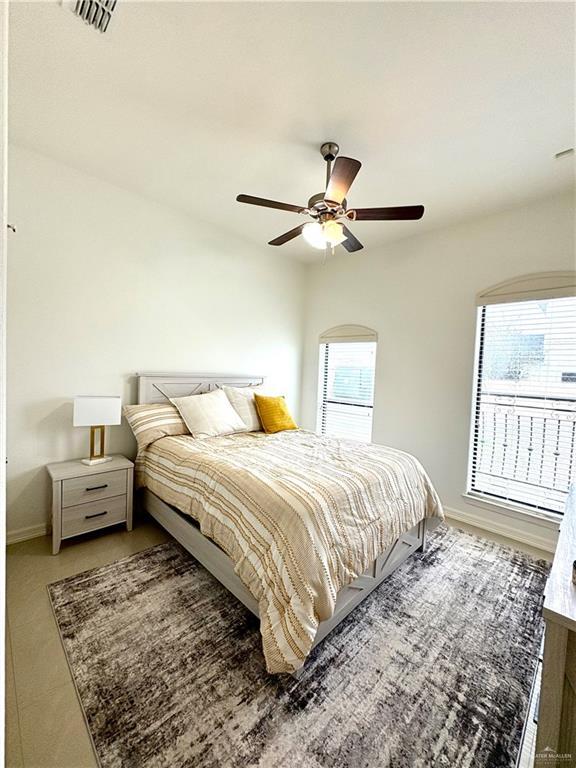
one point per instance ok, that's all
(242, 399)
(209, 415)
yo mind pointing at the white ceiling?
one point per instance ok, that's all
(458, 106)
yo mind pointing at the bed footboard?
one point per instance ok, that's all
(353, 594)
(219, 564)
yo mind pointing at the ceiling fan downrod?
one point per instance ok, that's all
(329, 151)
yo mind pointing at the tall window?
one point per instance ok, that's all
(346, 383)
(523, 443)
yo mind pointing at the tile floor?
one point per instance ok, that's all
(44, 723)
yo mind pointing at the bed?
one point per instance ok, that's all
(299, 527)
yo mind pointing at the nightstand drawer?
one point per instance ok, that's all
(90, 517)
(103, 485)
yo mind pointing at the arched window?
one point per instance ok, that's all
(523, 437)
(346, 382)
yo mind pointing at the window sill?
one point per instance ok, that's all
(551, 520)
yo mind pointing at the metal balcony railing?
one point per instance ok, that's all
(525, 449)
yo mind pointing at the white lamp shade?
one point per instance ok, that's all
(313, 234)
(93, 410)
(333, 232)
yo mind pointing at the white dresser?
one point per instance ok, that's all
(556, 734)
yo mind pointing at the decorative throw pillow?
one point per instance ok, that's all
(242, 400)
(209, 415)
(274, 413)
(151, 422)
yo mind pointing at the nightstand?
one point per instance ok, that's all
(89, 498)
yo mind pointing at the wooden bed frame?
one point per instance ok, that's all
(160, 387)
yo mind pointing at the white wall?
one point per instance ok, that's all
(103, 284)
(419, 294)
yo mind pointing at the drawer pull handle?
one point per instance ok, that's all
(97, 514)
(97, 487)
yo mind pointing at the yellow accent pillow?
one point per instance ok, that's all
(274, 413)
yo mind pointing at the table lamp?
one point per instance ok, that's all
(97, 412)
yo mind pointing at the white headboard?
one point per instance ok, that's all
(160, 387)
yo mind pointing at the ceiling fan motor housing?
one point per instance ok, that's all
(317, 203)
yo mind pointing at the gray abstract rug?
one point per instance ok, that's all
(433, 669)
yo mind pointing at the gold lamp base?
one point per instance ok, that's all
(97, 458)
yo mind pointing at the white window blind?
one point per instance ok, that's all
(523, 442)
(346, 389)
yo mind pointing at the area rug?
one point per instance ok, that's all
(433, 669)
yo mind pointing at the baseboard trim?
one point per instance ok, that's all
(546, 540)
(23, 534)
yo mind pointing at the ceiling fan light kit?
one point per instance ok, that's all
(328, 210)
(321, 235)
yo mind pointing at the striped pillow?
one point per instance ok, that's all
(151, 422)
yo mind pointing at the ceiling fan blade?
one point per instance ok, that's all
(343, 174)
(400, 212)
(351, 243)
(287, 236)
(269, 203)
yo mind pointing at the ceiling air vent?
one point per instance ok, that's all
(97, 13)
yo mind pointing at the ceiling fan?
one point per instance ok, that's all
(328, 210)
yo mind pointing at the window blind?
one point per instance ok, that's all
(346, 389)
(523, 442)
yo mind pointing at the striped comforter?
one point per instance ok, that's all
(300, 516)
